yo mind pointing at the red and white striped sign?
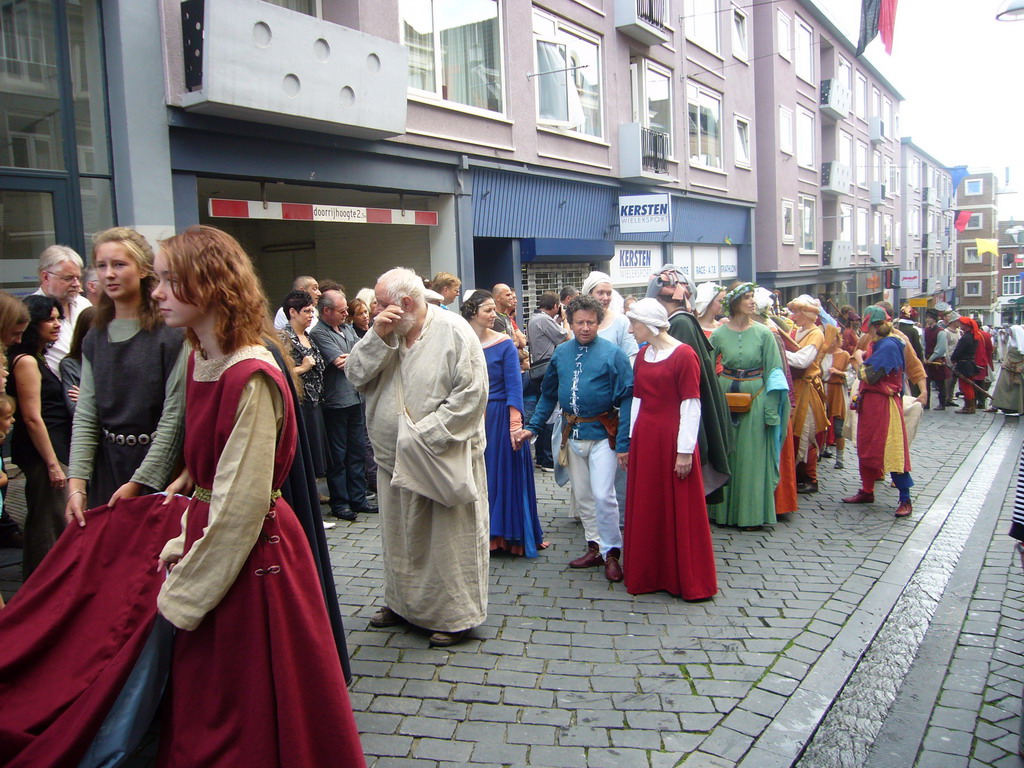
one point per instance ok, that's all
(254, 209)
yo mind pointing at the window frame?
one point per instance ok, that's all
(860, 98)
(863, 170)
(788, 237)
(971, 255)
(567, 28)
(803, 61)
(1014, 281)
(807, 202)
(703, 92)
(787, 146)
(861, 231)
(740, 48)
(639, 68)
(437, 94)
(783, 20)
(967, 187)
(967, 289)
(846, 230)
(804, 115)
(737, 138)
(981, 221)
(690, 10)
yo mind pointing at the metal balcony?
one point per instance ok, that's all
(643, 154)
(646, 21)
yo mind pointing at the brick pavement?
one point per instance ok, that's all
(571, 671)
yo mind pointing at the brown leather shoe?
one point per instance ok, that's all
(860, 497)
(444, 639)
(904, 509)
(385, 617)
(591, 558)
(612, 569)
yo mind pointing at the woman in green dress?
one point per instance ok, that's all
(751, 364)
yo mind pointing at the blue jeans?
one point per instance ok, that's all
(346, 470)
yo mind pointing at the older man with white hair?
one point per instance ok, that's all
(60, 278)
(435, 557)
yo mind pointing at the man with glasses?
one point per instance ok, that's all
(60, 278)
(343, 411)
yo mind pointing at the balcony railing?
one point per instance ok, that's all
(653, 149)
(654, 12)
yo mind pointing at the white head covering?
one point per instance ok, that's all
(432, 297)
(764, 299)
(706, 293)
(593, 280)
(1017, 334)
(651, 313)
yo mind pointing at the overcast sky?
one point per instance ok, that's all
(959, 71)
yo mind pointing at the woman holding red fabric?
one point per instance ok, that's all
(881, 432)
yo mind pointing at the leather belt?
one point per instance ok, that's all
(131, 440)
(742, 374)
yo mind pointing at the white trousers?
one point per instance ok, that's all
(592, 465)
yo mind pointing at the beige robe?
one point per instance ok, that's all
(435, 558)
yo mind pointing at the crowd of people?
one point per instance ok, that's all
(665, 414)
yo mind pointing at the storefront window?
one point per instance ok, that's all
(455, 50)
(88, 88)
(26, 228)
(97, 206)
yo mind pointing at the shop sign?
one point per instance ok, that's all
(645, 213)
(635, 263)
(868, 283)
(347, 214)
(910, 280)
(705, 263)
(919, 301)
(730, 265)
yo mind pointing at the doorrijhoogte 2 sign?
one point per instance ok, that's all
(645, 213)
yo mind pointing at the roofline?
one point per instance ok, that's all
(851, 47)
(910, 142)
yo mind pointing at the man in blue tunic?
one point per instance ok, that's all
(592, 380)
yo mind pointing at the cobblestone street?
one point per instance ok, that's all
(799, 660)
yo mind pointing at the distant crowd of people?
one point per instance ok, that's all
(665, 413)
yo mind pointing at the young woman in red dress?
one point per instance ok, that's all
(255, 676)
(668, 536)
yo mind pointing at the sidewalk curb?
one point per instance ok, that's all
(901, 738)
(783, 741)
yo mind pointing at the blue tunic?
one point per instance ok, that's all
(510, 488)
(587, 380)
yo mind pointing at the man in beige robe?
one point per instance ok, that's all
(436, 558)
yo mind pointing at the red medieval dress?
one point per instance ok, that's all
(881, 431)
(668, 536)
(258, 683)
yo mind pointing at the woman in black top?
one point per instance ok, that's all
(42, 437)
(309, 367)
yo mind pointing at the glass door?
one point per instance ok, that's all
(33, 215)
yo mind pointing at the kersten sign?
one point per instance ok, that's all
(645, 213)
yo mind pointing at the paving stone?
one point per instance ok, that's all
(379, 744)
(438, 749)
(485, 752)
(558, 757)
(617, 758)
(948, 741)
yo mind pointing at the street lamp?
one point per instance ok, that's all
(1011, 10)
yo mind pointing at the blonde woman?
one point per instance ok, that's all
(128, 425)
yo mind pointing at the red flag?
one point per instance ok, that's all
(887, 23)
(963, 218)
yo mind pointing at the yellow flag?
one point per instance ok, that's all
(987, 246)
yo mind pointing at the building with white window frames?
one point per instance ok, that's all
(977, 271)
(828, 168)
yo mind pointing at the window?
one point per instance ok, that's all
(974, 187)
(886, 177)
(876, 103)
(915, 173)
(784, 32)
(788, 221)
(972, 287)
(876, 230)
(704, 109)
(887, 233)
(895, 179)
(861, 169)
(846, 149)
(701, 23)
(861, 97)
(742, 157)
(976, 221)
(740, 39)
(808, 239)
(568, 77)
(805, 138)
(455, 51)
(804, 51)
(786, 130)
(862, 230)
(1007, 261)
(914, 221)
(971, 256)
(1011, 285)
(652, 97)
(846, 222)
(890, 120)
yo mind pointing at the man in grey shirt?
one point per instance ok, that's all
(546, 330)
(343, 410)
